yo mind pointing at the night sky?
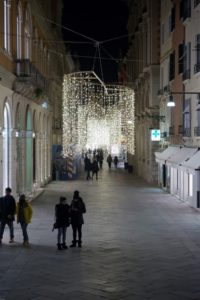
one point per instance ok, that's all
(100, 20)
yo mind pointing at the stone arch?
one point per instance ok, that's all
(7, 125)
(29, 150)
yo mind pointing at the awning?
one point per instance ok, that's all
(181, 156)
(166, 154)
(193, 163)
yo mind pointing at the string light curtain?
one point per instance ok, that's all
(96, 115)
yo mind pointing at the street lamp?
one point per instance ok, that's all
(171, 102)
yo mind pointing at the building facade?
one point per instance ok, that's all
(179, 164)
(32, 63)
(142, 65)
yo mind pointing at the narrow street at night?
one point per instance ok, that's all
(139, 243)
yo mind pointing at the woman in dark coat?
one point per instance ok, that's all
(62, 214)
(95, 168)
(77, 210)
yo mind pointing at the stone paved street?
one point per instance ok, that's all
(139, 243)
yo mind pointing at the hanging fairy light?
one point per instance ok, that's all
(95, 114)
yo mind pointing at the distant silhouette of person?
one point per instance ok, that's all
(88, 167)
(95, 168)
(24, 216)
(116, 160)
(100, 159)
(109, 160)
(77, 210)
(7, 214)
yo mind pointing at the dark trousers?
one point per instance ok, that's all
(11, 228)
(77, 228)
(24, 231)
(95, 172)
(88, 174)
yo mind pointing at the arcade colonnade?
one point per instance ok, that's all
(25, 139)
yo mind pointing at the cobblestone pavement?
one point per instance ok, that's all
(139, 243)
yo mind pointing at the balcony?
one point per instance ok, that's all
(187, 132)
(196, 68)
(27, 71)
(186, 74)
(197, 131)
(171, 130)
(30, 82)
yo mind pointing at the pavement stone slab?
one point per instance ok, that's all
(139, 243)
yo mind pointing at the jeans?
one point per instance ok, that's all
(11, 228)
(61, 235)
(24, 231)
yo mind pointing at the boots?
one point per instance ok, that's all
(64, 246)
(79, 244)
(73, 244)
(59, 246)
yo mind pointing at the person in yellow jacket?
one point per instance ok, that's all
(24, 215)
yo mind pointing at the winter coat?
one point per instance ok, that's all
(116, 160)
(87, 164)
(62, 214)
(77, 210)
(109, 159)
(95, 167)
(7, 208)
(24, 213)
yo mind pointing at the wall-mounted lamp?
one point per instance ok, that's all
(171, 102)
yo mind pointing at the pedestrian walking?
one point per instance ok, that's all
(116, 160)
(109, 160)
(87, 167)
(95, 168)
(7, 213)
(24, 215)
(77, 210)
(101, 159)
(62, 216)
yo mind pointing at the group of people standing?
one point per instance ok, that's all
(65, 215)
(93, 165)
(8, 210)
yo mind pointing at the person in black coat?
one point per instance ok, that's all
(95, 168)
(116, 160)
(109, 160)
(7, 214)
(77, 210)
(62, 215)
(87, 166)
